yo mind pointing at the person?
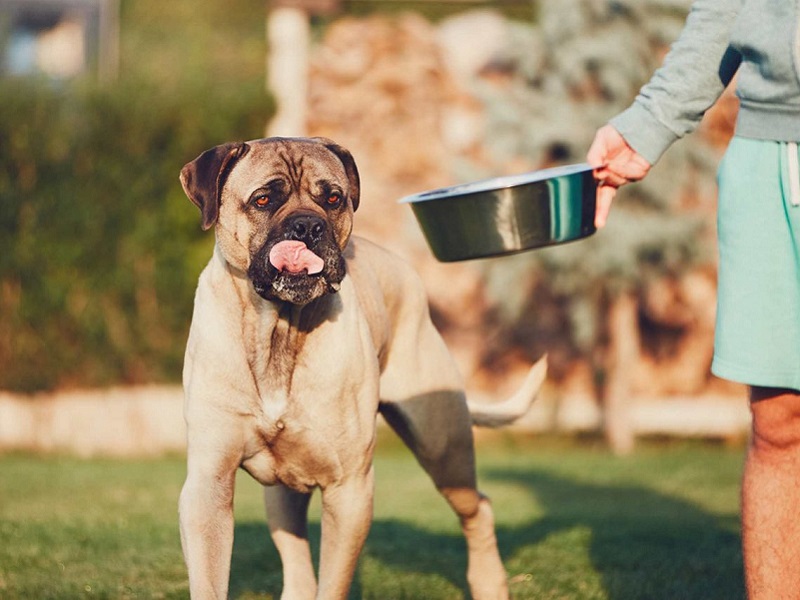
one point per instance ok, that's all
(757, 334)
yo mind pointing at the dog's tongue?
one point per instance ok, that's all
(293, 256)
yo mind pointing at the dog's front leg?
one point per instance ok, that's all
(206, 519)
(346, 516)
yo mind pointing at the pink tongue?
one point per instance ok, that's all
(293, 256)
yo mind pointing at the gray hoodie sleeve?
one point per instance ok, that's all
(695, 72)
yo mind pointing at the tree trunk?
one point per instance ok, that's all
(623, 356)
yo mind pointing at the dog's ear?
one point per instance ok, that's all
(349, 168)
(203, 178)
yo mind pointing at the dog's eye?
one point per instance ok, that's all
(334, 199)
(261, 200)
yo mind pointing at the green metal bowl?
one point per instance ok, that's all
(505, 215)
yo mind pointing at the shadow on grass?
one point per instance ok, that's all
(397, 545)
(255, 564)
(641, 545)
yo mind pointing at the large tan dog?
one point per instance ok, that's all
(301, 335)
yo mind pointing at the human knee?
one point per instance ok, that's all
(776, 419)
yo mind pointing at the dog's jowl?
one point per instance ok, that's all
(301, 335)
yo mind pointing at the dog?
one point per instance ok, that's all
(301, 335)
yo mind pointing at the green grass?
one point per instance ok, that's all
(573, 522)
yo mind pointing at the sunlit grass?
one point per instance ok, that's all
(573, 521)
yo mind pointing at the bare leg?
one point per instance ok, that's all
(771, 497)
(287, 514)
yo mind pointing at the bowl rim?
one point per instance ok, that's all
(496, 183)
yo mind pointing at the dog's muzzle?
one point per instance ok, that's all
(299, 263)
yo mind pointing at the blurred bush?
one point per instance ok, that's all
(100, 248)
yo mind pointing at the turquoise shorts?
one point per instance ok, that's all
(757, 338)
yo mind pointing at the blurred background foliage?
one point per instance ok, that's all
(100, 255)
(101, 250)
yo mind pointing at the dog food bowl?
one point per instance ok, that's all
(505, 215)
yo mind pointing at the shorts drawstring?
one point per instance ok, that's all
(794, 173)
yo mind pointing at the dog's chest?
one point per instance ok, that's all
(316, 401)
(305, 436)
(289, 454)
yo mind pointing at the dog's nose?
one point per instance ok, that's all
(307, 228)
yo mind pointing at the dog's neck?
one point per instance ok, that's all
(279, 339)
(276, 331)
(238, 275)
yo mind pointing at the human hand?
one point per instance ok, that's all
(615, 163)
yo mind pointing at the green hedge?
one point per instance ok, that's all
(100, 248)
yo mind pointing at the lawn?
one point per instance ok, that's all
(573, 522)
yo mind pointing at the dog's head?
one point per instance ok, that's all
(282, 209)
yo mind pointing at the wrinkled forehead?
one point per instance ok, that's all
(302, 164)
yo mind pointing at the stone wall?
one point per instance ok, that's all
(148, 420)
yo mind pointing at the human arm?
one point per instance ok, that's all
(695, 73)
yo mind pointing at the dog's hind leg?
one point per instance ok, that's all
(422, 398)
(287, 515)
(485, 572)
(436, 427)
